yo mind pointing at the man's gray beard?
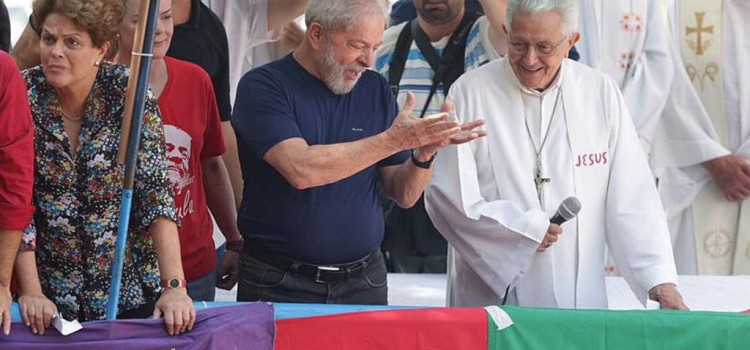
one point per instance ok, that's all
(334, 74)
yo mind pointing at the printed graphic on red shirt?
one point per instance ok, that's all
(178, 160)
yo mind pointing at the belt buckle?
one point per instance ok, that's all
(324, 268)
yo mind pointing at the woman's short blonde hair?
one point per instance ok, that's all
(99, 18)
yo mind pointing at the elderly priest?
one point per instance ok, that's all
(556, 129)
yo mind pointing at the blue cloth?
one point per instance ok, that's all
(328, 224)
(281, 311)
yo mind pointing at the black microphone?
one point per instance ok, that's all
(567, 210)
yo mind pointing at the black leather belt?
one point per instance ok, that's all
(317, 273)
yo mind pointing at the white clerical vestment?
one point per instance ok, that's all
(630, 41)
(246, 24)
(713, 36)
(483, 197)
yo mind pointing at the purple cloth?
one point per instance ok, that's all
(245, 326)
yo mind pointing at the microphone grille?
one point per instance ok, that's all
(569, 208)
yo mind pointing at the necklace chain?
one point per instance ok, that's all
(546, 133)
(65, 115)
(538, 179)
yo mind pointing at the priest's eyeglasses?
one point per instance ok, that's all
(544, 48)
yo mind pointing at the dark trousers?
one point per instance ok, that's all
(203, 288)
(262, 282)
(412, 244)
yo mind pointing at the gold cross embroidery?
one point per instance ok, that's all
(699, 29)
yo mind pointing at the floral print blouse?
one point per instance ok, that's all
(78, 198)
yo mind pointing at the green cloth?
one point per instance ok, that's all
(613, 330)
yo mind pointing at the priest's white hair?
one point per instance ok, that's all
(339, 15)
(568, 9)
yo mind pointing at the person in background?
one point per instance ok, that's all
(631, 43)
(76, 98)
(16, 174)
(707, 187)
(250, 23)
(26, 49)
(194, 147)
(459, 38)
(4, 27)
(406, 10)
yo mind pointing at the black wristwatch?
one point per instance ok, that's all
(423, 165)
(234, 246)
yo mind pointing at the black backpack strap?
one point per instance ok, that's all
(455, 52)
(425, 46)
(447, 68)
(398, 59)
(451, 65)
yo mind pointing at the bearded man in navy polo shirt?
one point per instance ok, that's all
(318, 133)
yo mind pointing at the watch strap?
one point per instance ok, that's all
(424, 165)
(173, 283)
(234, 246)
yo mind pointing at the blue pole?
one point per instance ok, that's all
(149, 11)
(122, 237)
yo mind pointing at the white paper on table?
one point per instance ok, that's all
(64, 326)
(499, 316)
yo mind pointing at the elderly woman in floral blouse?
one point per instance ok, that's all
(77, 102)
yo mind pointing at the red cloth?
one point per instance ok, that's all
(16, 149)
(439, 328)
(193, 131)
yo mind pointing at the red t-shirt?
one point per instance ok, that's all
(193, 131)
(16, 149)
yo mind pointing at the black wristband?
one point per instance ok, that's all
(235, 246)
(423, 165)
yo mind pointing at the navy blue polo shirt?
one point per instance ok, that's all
(328, 224)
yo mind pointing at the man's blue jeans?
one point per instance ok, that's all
(203, 288)
(262, 282)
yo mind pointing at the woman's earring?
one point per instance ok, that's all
(96, 63)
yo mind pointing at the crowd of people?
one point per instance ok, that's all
(444, 142)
